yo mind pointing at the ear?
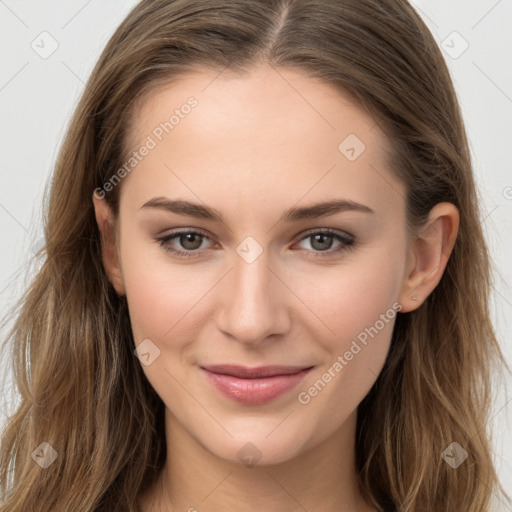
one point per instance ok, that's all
(428, 255)
(109, 253)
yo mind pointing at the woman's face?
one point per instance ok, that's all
(280, 280)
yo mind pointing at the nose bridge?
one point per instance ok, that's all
(253, 305)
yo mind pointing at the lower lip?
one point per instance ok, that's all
(254, 391)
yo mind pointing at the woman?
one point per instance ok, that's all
(265, 283)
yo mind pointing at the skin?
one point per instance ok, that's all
(254, 146)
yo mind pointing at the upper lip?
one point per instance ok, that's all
(245, 372)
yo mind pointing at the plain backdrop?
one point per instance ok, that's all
(48, 49)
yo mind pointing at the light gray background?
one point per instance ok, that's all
(37, 97)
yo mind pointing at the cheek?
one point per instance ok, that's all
(357, 305)
(352, 296)
(165, 303)
(163, 297)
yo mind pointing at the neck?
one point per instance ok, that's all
(193, 479)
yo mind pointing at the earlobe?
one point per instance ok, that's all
(428, 255)
(110, 257)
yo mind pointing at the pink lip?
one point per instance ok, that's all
(254, 385)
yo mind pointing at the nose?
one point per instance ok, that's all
(254, 303)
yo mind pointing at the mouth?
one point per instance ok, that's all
(254, 385)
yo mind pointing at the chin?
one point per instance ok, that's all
(256, 449)
(260, 453)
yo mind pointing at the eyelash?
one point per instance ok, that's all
(347, 242)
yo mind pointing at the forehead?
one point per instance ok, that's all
(268, 131)
(280, 97)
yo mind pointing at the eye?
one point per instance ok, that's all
(189, 241)
(322, 240)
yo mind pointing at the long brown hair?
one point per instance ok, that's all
(82, 389)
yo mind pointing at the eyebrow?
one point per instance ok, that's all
(293, 214)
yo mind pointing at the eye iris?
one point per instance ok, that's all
(324, 242)
(191, 241)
